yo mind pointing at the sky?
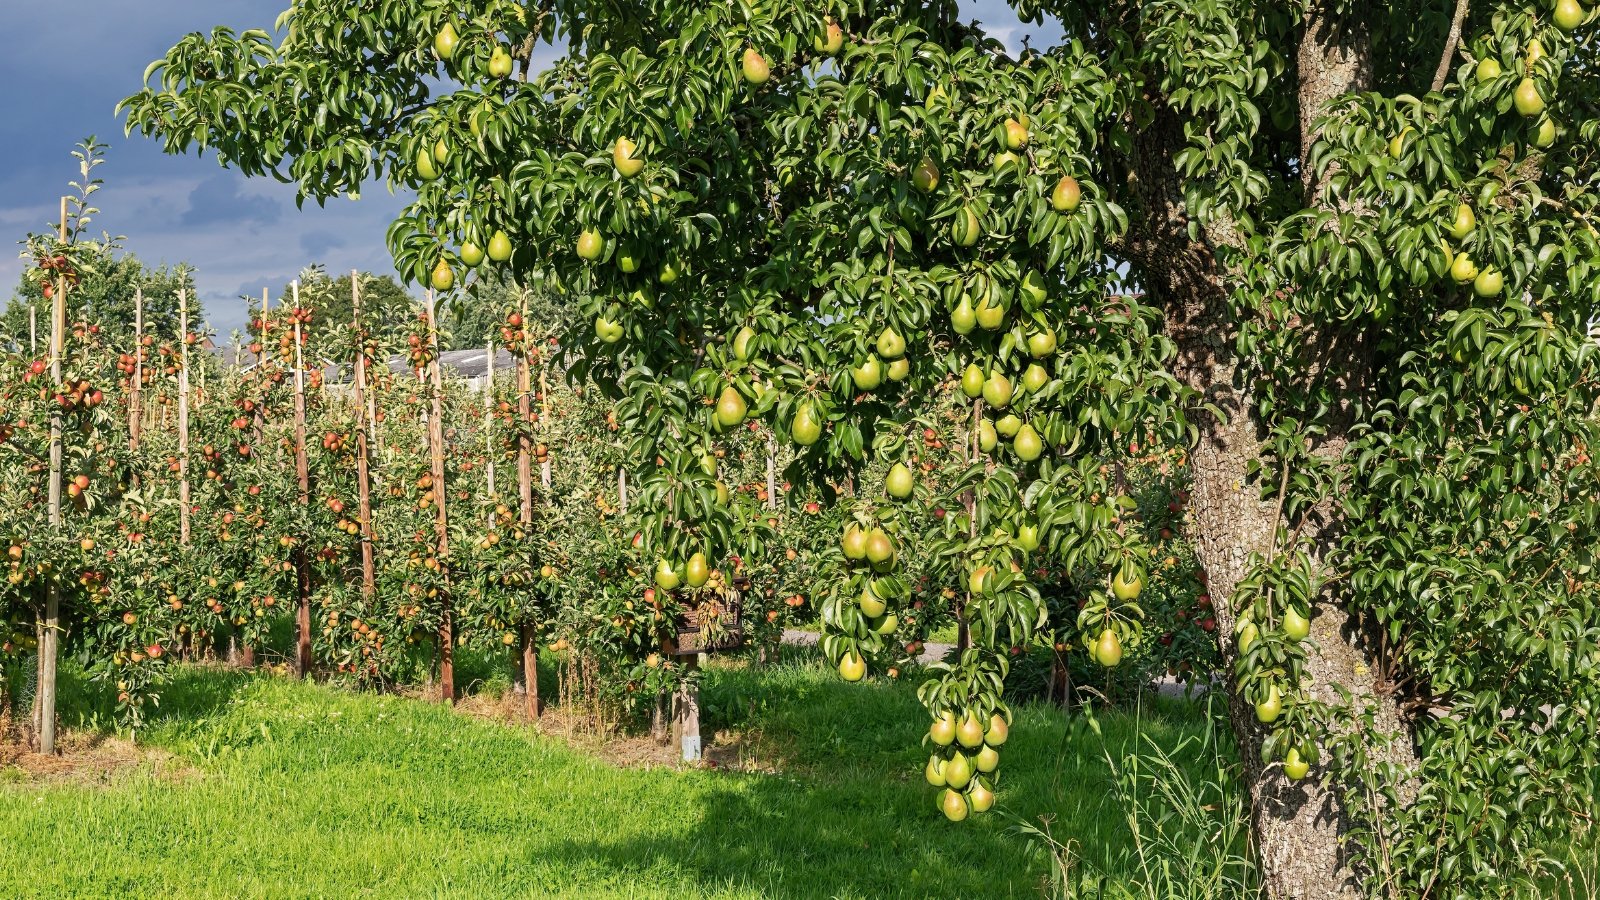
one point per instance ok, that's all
(62, 85)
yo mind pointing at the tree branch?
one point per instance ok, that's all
(1451, 42)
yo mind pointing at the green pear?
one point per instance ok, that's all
(499, 247)
(1027, 444)
(987, 438)
(1463, 270)
(1016, 135)
(899, 482)
(990, 315)
(899, 370)
(742, 343)
(963, 319)
(624, 157)
(872, 606)
(890, 344)
(446, 41)
(1545, 134)
(969, 733)
(935, 770)
(1488, 70)
(666, 577)
(443, 277)
(754, 66)
(1008, 426)
(1464, 222)
(1489, 283)
(1033, 288)
(471, 255)
(500, 63)
(591, 246)
(1295, 768)
(854, 542)
(1067, 195)
(607, 331)
(943, 730)
(965, 228)
(868, 375)
(997, 391)
(972, 379)
(697, 572)
(1108, 649)
(731, 407)
(1268, 710)
(1569, 15)
(1296, 626)
(1035, 378)
(441, 152)
(806, 429)
(925, 177)
(427, 170)
(669, 272)
(979, 795)
(999, 731)
(1042, 343)
(1527, 99)
(830, 40)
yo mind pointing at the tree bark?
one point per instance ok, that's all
(1297, 827)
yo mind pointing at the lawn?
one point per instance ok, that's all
(260, 786)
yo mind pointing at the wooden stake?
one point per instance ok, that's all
(33, 331)
(183, 417)
(772, 472)
(447, 640)
(544, 416)
(50, 629)
(488, 425)
(369, 575)
(529, 644)
(136, 389)
(302, 471)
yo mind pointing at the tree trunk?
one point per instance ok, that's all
(1297, 827)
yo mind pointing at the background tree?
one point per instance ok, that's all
(107, 283)
(1389, 399)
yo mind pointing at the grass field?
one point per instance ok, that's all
(256, 786)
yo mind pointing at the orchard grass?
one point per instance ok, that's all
(274, 788)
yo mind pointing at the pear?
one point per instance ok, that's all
(1545, 134)
(1533, 55)
(1016, 135)
(697, 571)
(1035, 378)
(1027, 445)
(962, 318)
(591, 246)
(872, 606)
(997, 391)
(972, 381)
(443, 277)
(943, 730)
(900, 369)
(426, 169)
(969, 733)
(500, 63)
(899, 482)
(987, 439)
(1005, 160)
(627, 262)
(979, 795)
(1033, 288)
(890, 344)
(852, 667)
(742, 343)
(806, 429)
(1528, 101)
(854, 542)
(731, 407)
(446, 41)
(998, 731)
(669, 272)
(1042, 343)
(1462, 269)
(830, 40)
(1569, 15)
(1296, 627)
(1397, 144)
(1464, 222)
(1248, 632)
(1489, 283)
(925, 177)
(1008, 426)
(935, 771)
(607, 331)
(1067, 194)
(868, 375)
(499, 248)
(1126, 584)
(880, 550)
(958, 769)
(888, 625)
(965, 228)
(936, 97)
(441, 152)
(953, 804)
(754, 66)
(1027, 537)
(1488, 70)
(1108, 649)
(988, 759)
(471, 255)
(666, 577)
(1295, 768)
(623, 156)
(1268, 710)
(990, 315)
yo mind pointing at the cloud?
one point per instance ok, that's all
(221, 200)
(315, 243)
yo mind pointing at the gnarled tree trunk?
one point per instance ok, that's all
(1297, 826)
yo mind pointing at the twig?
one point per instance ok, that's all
(1451, 42)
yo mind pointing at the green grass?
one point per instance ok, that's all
(294, 790)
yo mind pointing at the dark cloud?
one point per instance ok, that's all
(221, 199)
(316, 243)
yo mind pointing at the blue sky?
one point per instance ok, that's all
(242, 234)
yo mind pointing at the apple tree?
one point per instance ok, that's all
(1360, 242)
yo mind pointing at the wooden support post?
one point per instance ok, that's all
(302, 471)
(369, 573)
(488, 426)
(136, 387)
(622, 488)
(772, 472)
(50, 628)
(528, 640)
(544, 416)
(183, 418)
(447, 639)
(686, 713)
(33, 331)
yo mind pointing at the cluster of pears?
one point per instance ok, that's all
(1296, 627)
(1485, 282)
(965, 757)
(447, 42)
(873, 548)
(888, 363)
(1127, 583)
(998, 392)
(692, 573)
(1527, 97)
